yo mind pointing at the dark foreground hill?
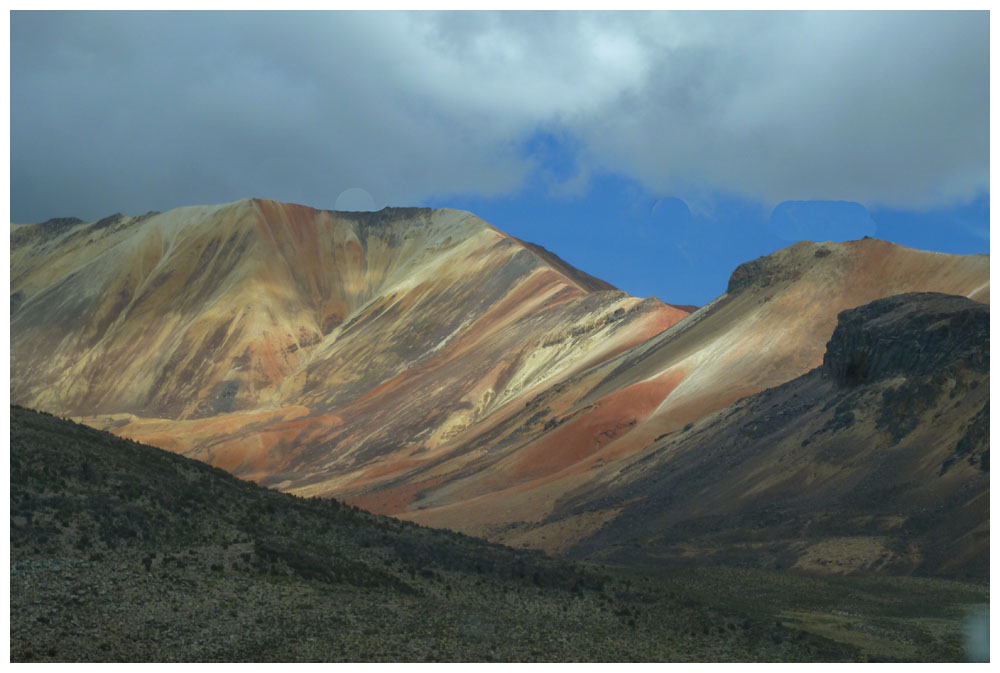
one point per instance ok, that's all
(121, 551)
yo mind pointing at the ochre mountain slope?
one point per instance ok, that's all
(265, 337)
(206, 310)
(418, 363)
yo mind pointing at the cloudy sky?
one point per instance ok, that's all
(655, 150)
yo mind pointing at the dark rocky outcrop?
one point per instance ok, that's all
(58, 224)
(910, 334)
(382, 218)
(43, 230)
(106, 222)
(756, 271)
(785, 265)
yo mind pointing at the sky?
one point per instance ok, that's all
(655, 150)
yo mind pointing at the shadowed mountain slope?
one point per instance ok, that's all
(878, 460)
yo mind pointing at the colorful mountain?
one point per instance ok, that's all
(415, 362)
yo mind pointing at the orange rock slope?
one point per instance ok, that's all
(416, 362)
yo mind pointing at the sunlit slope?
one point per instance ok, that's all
(269, 338)
(196, 311)
(770, 327)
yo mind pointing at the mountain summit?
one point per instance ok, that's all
(202, 311)
(370, 328)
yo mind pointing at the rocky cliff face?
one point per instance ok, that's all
(910, 334)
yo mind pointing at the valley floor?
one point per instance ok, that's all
(181, 609)
(885, 618)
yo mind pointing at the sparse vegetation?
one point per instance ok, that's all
(123, 552)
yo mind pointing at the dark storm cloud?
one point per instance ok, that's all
(135, 111)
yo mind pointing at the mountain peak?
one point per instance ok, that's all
(214, 309)
(861, 256)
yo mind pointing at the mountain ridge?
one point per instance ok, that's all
(416, 362)
(288, 233)
(742, 343)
